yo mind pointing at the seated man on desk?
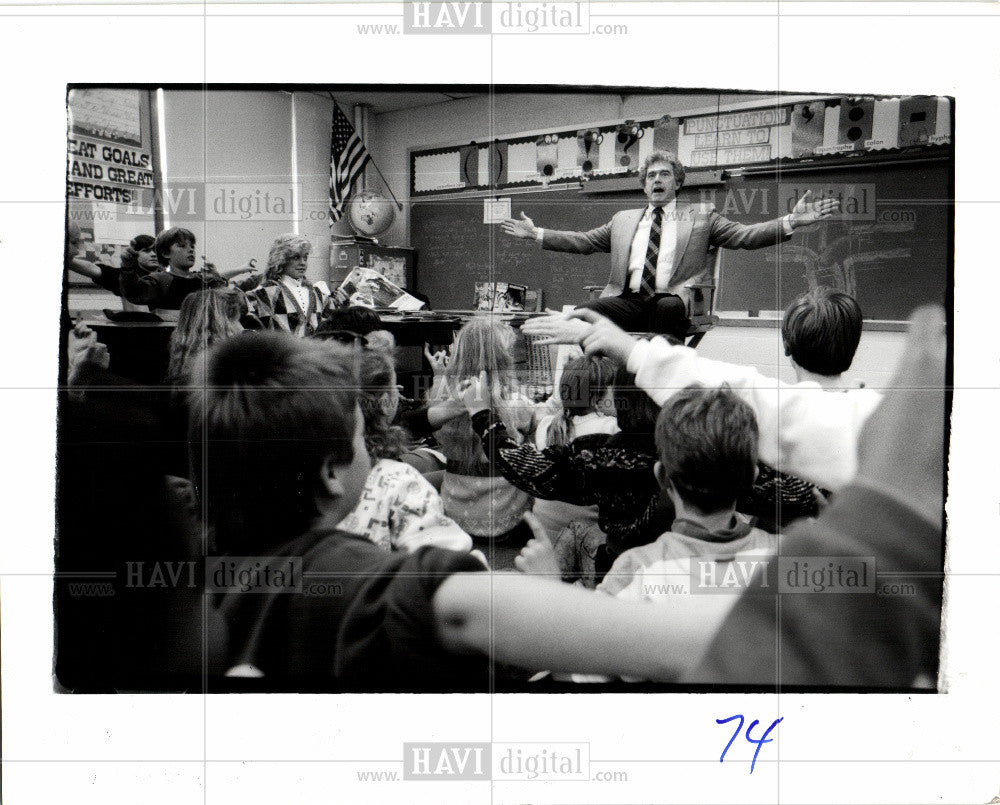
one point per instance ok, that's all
(660, 254)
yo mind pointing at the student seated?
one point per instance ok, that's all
(821, 331)
(166, 289)
(707, 445)
(351, 319)
(399, 509)
(279, 457)
(583, 404)
(487, 507)
(205, 318)
(138, 257)
(287, 301)
(808, 434)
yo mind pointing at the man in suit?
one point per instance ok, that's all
(660, 255)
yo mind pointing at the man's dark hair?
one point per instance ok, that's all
(265, 411)
(707, 444)
(821, 331)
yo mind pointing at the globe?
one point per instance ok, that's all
(370, 213)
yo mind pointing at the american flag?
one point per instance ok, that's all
(348, 157)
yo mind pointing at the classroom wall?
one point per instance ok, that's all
(875, 361)
(392, 134)
(242, 141)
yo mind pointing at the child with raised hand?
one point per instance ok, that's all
(613, 472)
(138, 257)
(279, 460)
(584, 402)
(487, 507)
(167, 288)
(891, 515)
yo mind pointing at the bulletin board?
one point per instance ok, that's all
(110, 176)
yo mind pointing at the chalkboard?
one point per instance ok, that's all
(893, 253)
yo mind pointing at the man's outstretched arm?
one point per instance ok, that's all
(596, 240)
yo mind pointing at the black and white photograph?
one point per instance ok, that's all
(336, 496)
(423, 431)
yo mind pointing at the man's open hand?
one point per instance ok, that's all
(519, 228)
(807, 213)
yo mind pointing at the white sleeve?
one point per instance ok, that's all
(804, 430)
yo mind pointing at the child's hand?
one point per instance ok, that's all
(537, 557)
(475, 394)
(437, 360)
(605, 337)
(85, 348)
(556, 329)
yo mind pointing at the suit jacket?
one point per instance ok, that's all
(700, 231)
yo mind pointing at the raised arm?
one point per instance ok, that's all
(556, 473)
(804, 430)
(582, 631)
(892, 518)
(596, 240)
(142, 290)
(806, 213)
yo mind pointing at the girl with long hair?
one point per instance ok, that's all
(612, 471)
(482, 502)
(584, 402)
(287, 301)
(205, 318)
(399, 509)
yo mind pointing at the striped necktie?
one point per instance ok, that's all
(647, 285)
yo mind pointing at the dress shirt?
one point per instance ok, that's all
(298, 289)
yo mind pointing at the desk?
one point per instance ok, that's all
(140, 351)
(416, 329)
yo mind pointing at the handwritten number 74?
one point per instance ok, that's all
(759, 741)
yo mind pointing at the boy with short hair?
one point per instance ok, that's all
(279, 460)
(803, 431)
(707, 445)
(821, 332)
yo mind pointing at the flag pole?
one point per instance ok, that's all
(398, 205)
(371, 159)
